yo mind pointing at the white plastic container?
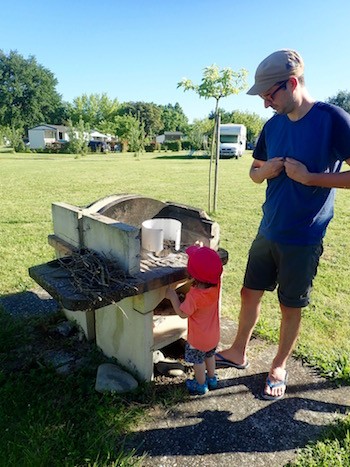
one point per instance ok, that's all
(155, 231)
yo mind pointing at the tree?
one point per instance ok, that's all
(252, 121)
(342, 99)
(216, 84)
(149, 113)
(199, 132)
(225, 116)
(14, 137)
(27, 93)
(77, 137)
(137, 138)
(173, 118)
(93, 109)
(127, 129)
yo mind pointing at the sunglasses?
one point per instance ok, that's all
(271, 96)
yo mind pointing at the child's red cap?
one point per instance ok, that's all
(204, 264)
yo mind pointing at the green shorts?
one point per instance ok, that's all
(290, 267)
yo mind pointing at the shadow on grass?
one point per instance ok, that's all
(182, 157)
(44, 411)
(31, 303)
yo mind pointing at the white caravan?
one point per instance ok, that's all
(233, 138)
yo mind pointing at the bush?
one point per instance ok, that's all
(55, 148)
(153, 146)
(19, 146)
(13, 137)
(150, 147)
(173, 145)
(186, 145)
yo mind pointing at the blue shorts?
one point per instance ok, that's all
(290, 267)
(197, 356)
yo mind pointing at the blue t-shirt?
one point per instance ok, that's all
(294, 213)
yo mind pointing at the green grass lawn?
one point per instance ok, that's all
(30, 183)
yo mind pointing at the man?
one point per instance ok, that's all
(299, 154)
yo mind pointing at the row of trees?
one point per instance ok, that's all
(28, 97)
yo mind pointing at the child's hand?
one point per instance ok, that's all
(170, 293)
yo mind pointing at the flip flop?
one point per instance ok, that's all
(224, 362)
(271, 385)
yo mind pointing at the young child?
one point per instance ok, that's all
(201, 307)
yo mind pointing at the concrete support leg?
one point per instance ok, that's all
(84, 319)
(124, 333)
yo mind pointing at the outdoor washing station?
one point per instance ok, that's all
(135, 247)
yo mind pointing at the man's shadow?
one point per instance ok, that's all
(275, 427)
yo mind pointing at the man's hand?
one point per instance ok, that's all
(296, 170)
(261, 171)
(273, 167)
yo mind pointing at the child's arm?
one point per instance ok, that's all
(171, 295)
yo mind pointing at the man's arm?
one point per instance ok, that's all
(298, 172)
(264, 170)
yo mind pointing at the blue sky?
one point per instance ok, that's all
(138, 50)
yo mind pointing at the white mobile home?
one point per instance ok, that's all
(44, 134)
(233, 139)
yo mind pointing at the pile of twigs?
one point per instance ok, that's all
(95, 276)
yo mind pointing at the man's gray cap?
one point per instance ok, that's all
(277, 67)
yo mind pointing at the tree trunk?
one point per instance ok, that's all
(217, 158)
(212, 156)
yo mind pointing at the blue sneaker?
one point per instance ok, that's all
(212, 383)
(194, 388)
